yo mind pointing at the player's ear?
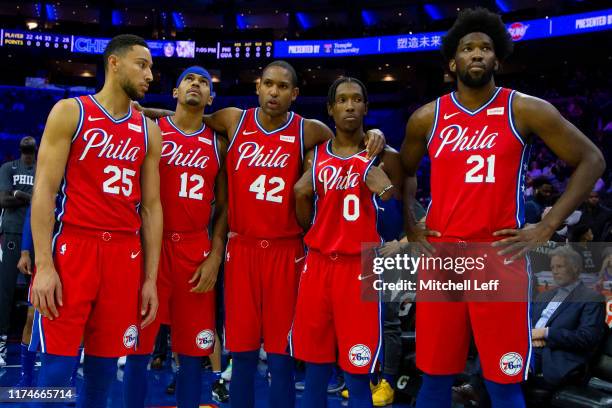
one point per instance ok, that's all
(452, 65)
(496, 66)
(210, 100)
(294, 93)
(365, 112)
(113, 61)
(175, 93)
(257, 85)
(330, 110)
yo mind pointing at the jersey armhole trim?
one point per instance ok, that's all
(370, 164)
(216, 148)
(146, 132)
(435, 122)
(81, 119)
(235, 135)
(302, 139)
(313, 168)
(515, 132)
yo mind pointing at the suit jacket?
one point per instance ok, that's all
(575, 330)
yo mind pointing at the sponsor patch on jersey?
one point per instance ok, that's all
(360, 355)
(290, 139)
(135, 128)
(130, 336)
(205, 339)
(205, 140)
(495, 111)
(511, 364)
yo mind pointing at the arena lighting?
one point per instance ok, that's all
(502, 5)
(388, 78)
(31, 25)
(433, 11)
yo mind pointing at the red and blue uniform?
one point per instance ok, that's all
(97, 248)
(333, 322)
(478, 165)
(264, 252)
(187, 171)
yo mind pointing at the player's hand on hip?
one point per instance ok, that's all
(519, 242)
(150, 303)
(46, 294)
(25, 263)
(205, 276)
(375, 142)
(418, 236)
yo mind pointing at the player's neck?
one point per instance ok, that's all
(114, 100)
(349, 140)
(474, 98)
(188, 120)
(269, 122)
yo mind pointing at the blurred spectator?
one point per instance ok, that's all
(569, 323)
(596, 215)
(542, 197)
(581, 237)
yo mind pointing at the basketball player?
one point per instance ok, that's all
(265, 252)
(88, 276)
(478, 141)
(332, 321)
(191, 178)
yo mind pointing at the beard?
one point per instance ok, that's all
(478, 81)
(131, 90)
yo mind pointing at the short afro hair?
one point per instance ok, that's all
(331, 94)
(120, 44)
(478, 20)
(287, 66)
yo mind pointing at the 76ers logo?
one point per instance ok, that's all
(205, 339)
(130, 336)
(359, 355)
(517, 30)
(511, 363)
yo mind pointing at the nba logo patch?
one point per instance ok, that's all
(290, 139)
(511, 364)
(359, 355)
(205, 339)
(130, 336)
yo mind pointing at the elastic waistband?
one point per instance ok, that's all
(264, 243)
(177, 236)
(104, 236)
(334, 256)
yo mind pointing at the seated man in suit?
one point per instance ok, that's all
(569, 322)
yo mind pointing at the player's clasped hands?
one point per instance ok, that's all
(375, 142)
(520, 241)
(377, 179)
(46, 294)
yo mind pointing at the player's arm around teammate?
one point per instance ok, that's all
(538, 117)
(304, 191)
(61, 124)
(205, 276)
(152, 224)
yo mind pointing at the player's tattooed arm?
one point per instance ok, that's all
(304, 192)
(413, 149)
(205, 277)
(152, 223)
(534, 116)
(317, 132)
(46, 293)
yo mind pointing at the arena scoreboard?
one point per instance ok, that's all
(29, 39)
(237, 50)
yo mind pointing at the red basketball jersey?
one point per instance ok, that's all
(101, 184)
(478, 165)
(187, 171)
(262, 168)
(345, 208)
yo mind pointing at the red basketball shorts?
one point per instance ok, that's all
(501, 329)
(332, 321)
(100, 273)
(261, 281)
(191, 316)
